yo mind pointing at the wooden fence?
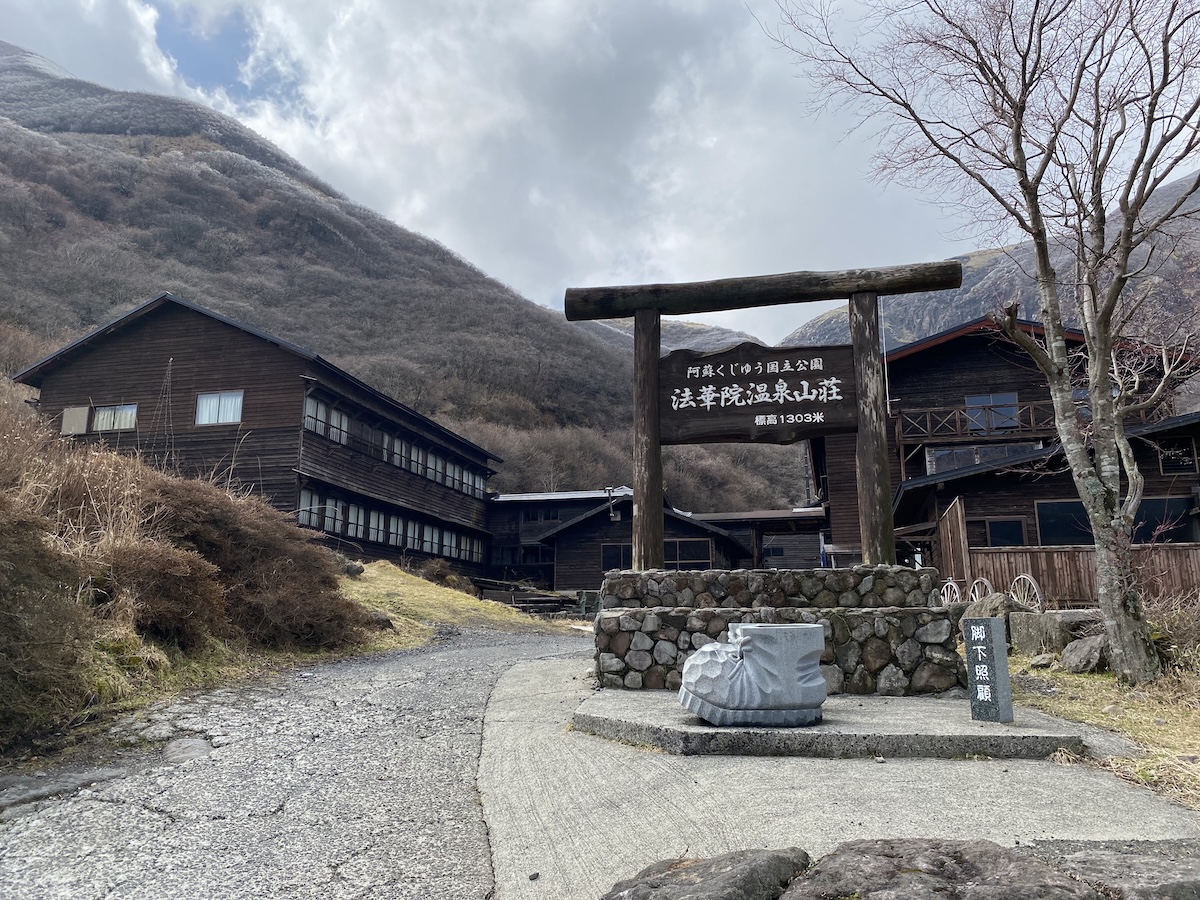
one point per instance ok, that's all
(1067, 575)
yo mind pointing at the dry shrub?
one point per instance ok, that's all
(44, 633)
(440, 572)
(281, 588)
(169, 593)
(1175, 621)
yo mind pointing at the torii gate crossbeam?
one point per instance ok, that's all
(862, 287)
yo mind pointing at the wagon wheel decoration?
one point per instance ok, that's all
(950, 593)
(1026, 591)
(980, 588)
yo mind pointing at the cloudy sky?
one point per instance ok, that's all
(552, 143)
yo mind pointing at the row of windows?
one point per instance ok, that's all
(215, 408)
(354, 521)
(690, 553)
(1064, 523)
(332, 423)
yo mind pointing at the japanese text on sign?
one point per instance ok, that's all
(755, 393)
(987, 670)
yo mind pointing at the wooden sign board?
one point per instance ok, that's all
(756, 394)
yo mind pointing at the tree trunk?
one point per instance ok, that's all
(1131, 652)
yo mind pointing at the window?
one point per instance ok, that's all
(316, 415)
(355, 520)
(1159, 519)
(115, 418)
(413, 541)
(943, 459)
(378, 529)
(322, 419)
(1062, 522)
(1177, 456)
(310, 512)
(992, 412)
(1165, 519)
(432, 539)
(533, 554)
(383, 445)
(395, 534)
(1006, 532)
(616, 556)
(687, 554)
(219, 408)
(334, 512)
(339, 426)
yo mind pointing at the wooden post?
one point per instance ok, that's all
(647, 449)
(875, 522)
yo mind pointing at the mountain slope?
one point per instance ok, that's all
(109, 197)
(994, 278)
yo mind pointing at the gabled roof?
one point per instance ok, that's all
(32, 375)
(981, 325)
(914, 485)
(667, 511)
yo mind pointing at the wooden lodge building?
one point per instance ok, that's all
(971, 448)
(197, 393)
(971, 421)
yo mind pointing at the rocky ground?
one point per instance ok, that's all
(346, 780)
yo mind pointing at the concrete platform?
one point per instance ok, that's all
(569, 813)
(854, 727)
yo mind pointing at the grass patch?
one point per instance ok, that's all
(1163, 717)
(416, 607)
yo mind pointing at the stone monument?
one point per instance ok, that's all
(766, 675)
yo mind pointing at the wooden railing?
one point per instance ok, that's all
(1068, 574)
(970, 423)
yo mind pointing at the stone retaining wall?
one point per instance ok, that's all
(861, 586)
(883, 633)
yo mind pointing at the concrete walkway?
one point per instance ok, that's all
(570, 813)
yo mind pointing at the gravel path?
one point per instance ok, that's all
(353, 779)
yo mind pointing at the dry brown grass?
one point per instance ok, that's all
(416, 607)
(1163, 717)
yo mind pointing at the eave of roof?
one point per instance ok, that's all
(1141, 430)
(32, 374)
(562, 496)
(981, 325)
(675, 514)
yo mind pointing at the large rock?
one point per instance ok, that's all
(1088, 654)
(1032, 633)
(994, 606)
(916, 869)
(1136, 876)
(742, 875)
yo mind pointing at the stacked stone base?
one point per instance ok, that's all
(895, 651)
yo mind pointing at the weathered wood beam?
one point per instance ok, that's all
(648, 528)
(759, 290)
(875, 523)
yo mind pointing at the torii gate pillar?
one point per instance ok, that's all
(862, 287)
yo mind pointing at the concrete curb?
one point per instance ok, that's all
(853, 727)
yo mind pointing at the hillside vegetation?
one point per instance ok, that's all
(109, 197)
(113, 575)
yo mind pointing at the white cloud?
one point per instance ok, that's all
(553, 143)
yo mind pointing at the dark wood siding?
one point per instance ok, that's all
(360, 473)
(162, 362)
(577, 551)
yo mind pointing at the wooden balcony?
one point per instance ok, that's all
(967, 424)
(971, 424)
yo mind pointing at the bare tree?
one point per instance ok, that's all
(1063, 119)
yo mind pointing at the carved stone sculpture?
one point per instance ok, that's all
(765, 675)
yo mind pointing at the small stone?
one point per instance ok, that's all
(1112, 710)
(1042, 661)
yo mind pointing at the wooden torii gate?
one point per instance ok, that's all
(862, 287)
